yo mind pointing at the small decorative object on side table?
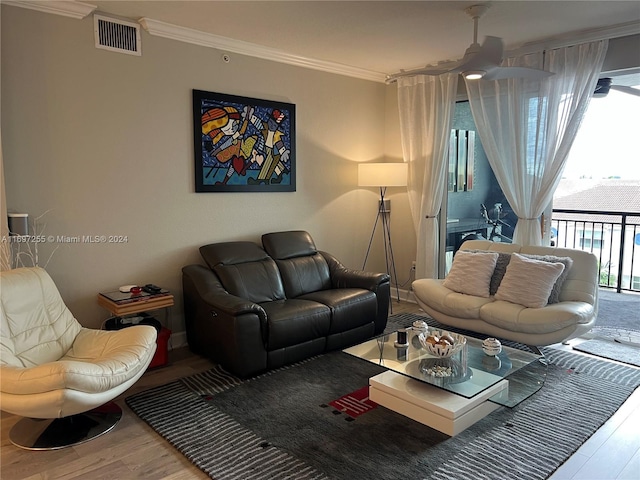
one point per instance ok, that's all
(401, 339)
(420, 326)
(127, 303)
(491, 346)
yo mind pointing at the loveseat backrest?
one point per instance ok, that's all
(302, 267)
(245, 270)
(581, 284)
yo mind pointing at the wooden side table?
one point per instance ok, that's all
(143, 304)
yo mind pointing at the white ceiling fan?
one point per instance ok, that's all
(479, 61)
(606, 84)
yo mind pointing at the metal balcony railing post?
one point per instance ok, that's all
(606, 260)
(623, 230)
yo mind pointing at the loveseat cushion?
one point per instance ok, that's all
(294, 321)
(447, 301)
(302, 267)
(350, 307)
(232, 253)
(291, 244)
(245, 270)
(517, 318)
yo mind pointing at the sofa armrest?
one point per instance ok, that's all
(228, 329)
(211, 291)
(378, 283)
(342, 277)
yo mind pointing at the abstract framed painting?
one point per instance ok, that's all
(243, 144)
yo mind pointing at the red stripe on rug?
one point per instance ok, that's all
(354, 404)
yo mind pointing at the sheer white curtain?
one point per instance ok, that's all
(426, 105)
(527, 127)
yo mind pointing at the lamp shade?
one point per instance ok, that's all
(382, 174)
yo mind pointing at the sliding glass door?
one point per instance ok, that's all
(474, 205)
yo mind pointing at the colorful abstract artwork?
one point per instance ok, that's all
(243, 144)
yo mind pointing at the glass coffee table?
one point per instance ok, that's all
(449, 394)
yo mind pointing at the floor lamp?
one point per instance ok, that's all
(383, 175)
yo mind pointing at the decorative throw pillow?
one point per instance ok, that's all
(528, 282)
(554, 296)
(471, 273)
(499, 271)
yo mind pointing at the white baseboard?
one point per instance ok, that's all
(177, 340)
(405, 295)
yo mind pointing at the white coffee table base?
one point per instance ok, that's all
(432, 406)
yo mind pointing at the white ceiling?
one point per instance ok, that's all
(381, 36)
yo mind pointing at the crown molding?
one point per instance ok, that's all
(197, 37)
(75, 10)
(80, 10)
(576, 38)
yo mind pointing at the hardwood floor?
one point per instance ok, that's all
(134, 451)
(131, 450)
(613, 452)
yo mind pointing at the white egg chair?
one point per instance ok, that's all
(57, 374)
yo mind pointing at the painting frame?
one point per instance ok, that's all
(243, 144)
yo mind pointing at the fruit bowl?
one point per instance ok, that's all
(441, 343)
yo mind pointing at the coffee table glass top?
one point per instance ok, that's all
(466, 373)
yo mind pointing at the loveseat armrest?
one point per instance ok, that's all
(211, 291)
(343, 277)
(378, 283)
(228, 329)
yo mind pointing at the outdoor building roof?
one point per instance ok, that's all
(610, 195)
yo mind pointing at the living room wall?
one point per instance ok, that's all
(101, 144)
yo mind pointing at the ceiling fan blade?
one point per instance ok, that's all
(431, 70)
(436, 71)
(499, 73)
(625, 89)
(479, 61)
(491, 50)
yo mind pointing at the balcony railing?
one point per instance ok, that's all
(614, 237)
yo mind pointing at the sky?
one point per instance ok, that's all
(607, 144)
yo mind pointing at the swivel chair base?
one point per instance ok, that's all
(57, 433)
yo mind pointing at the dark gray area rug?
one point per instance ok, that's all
(608, 348)
(617, 313)
(278, 425)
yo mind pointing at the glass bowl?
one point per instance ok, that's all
(441, 349)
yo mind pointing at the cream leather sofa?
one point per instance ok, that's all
(572, 316)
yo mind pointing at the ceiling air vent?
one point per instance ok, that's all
(117, 35)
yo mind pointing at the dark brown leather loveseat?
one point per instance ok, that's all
(256, 308)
